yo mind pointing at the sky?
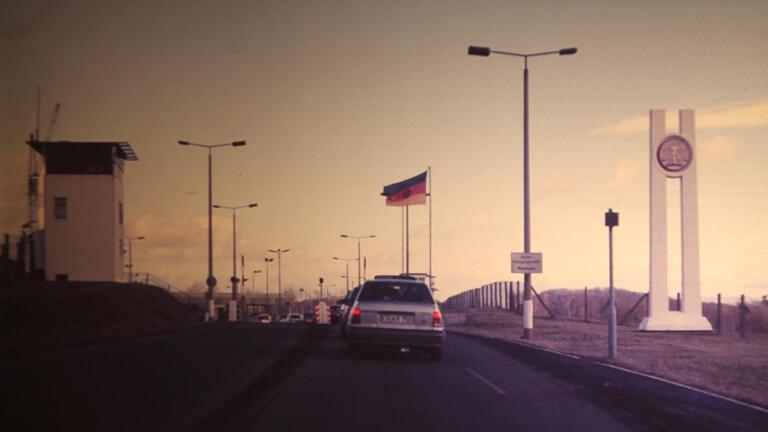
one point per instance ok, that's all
(337, 99)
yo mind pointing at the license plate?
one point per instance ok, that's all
(394, 319)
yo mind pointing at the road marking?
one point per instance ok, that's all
(486, 381)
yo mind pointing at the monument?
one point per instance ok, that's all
(674, 156)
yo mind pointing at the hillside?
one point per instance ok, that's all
(46, 317)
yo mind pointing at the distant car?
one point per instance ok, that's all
(292, 318)
(264, 318)
(335, 313)
(396, 311)
(309, 318)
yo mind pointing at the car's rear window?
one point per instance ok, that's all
(388, 291)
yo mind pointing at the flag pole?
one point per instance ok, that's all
(429, 178)
(407, 245)
(402, 240)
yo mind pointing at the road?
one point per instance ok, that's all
(295, 377)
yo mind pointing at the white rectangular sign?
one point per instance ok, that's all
(526, 262)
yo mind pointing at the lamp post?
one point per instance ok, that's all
(346, 263)
(279, 253)
(253, 287)
(130, 256)
(611, 220)
(266, 263)
(485, 52)
(359, 273)
(211, 280)
(234, 279)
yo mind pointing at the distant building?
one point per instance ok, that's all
(83, 209)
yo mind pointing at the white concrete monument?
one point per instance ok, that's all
(674, 156)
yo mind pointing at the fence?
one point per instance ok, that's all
(592, 306)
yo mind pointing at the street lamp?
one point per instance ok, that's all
(266, 263)
(234, 279)
(359, 277)
(346, 262)
(130, 256)
(253, 287)
(485, 52)
(211, 280)
(279, 253)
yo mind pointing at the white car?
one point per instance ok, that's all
(396, 311)
(292, 318)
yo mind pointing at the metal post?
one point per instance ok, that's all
(678, 301)
(359, 263)
(719, 311)
(346, 278)
(743, 318)
(279, 283)
(130, 261)
(234, 255)
(527, 301)
(612, 340)
(407, 244)
(586, 306)
(211, 280)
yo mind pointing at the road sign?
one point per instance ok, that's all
(526, 262)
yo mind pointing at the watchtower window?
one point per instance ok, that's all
(60, 207)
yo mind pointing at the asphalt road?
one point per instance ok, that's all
(295, 377)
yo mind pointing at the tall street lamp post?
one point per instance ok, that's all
(279, 253)
(253, 287)
(234, 279)
(346, 263)
(266, 263)
(359, 273)
(130, 256)
(485, 52)
(211, 280)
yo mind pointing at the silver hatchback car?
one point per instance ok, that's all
(396, 311)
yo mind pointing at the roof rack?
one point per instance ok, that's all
(400, 276)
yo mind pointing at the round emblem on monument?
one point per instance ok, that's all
(674, 153)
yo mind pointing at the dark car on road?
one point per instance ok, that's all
(396, 311)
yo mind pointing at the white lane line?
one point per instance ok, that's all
(486, 381)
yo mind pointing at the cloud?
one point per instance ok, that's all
(626, 172)
(718, 147)
(745, 116)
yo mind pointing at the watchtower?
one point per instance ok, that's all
(83, 209)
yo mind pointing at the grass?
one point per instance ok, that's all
(726, 365)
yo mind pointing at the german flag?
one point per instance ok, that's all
(412, 191)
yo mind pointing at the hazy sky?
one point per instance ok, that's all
(337, 99)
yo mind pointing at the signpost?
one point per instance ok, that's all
(526, 262)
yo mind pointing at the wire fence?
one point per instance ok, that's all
(591, 305)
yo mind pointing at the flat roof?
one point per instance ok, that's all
(124, 150)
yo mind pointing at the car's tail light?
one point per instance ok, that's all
(356, 316)
(437, 319)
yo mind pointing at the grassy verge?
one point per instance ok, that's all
(725, 365)
(47, 317)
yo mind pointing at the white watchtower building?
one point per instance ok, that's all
(83, 209)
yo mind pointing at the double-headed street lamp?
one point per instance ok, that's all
(211, 280)
(346, 262)
(485, 52)
(130, 256)
(279, 253)
(359, 273)
(234, 279)
(253, 287)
